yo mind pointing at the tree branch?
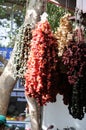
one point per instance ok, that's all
(1, 70)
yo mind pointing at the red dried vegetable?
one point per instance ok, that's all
(41, 78)
(74, 57)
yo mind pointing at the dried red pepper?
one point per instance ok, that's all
(41, 78)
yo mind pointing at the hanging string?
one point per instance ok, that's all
(80, 12)
(76, 17)
(78, 23)
(82, 5)
(66, 5)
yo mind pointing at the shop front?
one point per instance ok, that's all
(16, 114)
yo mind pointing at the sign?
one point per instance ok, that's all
(5, 52)
(17, 125)
(19, 94)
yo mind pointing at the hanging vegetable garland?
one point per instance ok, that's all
(65, 88)
(74, 58)
(63, 33)
(21, 54)
(41, 78)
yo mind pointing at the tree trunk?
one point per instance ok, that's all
(7, 83)
(34, 114)
(33, 12)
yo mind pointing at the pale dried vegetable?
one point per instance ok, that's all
(63, 33)
(23, 48)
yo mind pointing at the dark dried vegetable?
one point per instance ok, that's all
(74, 58)
(77, 104)
(65, 88)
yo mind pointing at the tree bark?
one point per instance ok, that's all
(3, 60)
(33, 110)
(34, 9)
(7, 82)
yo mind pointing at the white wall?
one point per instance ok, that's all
(57, 114)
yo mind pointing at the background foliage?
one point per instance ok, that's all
(54, 15)
(12, 16)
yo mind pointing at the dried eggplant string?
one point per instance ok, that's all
(74, 57)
